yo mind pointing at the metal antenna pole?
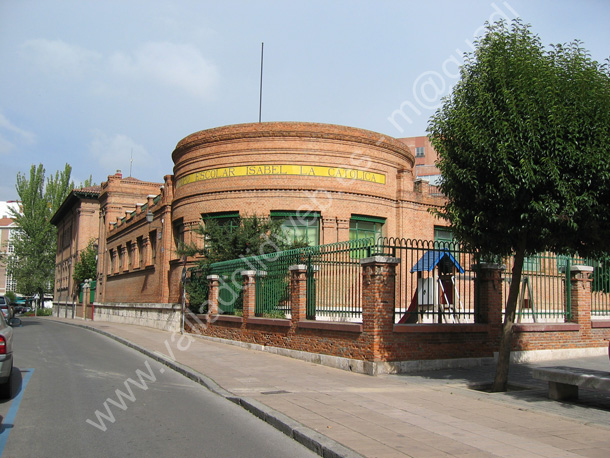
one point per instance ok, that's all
(260, 102)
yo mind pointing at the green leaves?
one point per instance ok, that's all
(86, 266)
(522, 144)
(32, 264)
(235, 238)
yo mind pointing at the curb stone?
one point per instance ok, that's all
(309, 438)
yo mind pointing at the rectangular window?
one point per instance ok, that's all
(140, 247)
(66, 237)
(129, 255)
(178, 229)
(420, 151)
(363, 227)
(299, 227)
(228, 220)
(111, 262)
(119, 253)
(153, 246)
(11, 284)
(531, 263)
(443, 235)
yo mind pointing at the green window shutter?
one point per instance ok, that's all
(364, 227)
(220, 215)
(370, 219)
(299, 226)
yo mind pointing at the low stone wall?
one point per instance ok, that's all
(64, 309)
(153, 315)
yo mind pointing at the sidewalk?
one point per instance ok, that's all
(429, 414)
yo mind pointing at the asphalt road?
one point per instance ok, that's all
(77, 393)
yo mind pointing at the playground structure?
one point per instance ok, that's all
(436, 289)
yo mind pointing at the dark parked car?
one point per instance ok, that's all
(20, 309)
(5, 306)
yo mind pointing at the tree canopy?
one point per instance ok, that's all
(32, 263)
(86, 266)
(523, 152)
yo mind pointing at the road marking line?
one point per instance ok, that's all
(9, 420)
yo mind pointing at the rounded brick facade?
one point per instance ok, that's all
(335, 171)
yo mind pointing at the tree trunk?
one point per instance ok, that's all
(501, 379)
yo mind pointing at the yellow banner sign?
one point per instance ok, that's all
(341, 173)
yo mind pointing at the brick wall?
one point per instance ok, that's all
(385, 345)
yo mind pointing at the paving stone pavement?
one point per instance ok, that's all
(426, 414)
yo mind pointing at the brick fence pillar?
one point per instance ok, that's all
(213, 284)
(580, 296)
(488, 293)
(298, 292)
(378, 302)
(249, 293)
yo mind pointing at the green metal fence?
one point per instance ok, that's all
(434, 281)
(544, 294)
(273, 282)
(333, 281)
(230, 285)
(600, 288)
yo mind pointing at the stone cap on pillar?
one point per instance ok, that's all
(298, 267)
(253, 273)
(380, 259)
(577, 269)
(213, 277)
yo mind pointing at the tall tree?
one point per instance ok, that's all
(86, 266)
(523, 151)
(32, 264)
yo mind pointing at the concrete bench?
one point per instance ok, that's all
(564, 381)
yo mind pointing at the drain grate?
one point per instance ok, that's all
(275, 392)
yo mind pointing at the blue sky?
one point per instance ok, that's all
(113, 85)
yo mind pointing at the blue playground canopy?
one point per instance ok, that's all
(431, 258)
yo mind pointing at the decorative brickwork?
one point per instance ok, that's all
(488, 293)
(249, 294)
(213, 282)
(298, 292)
(378, 293)
(580, 296)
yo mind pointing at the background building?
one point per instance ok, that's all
(425, 158)
(77, 222)
(7, 225)
(327, 183)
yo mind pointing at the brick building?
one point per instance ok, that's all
(328, 183)
(77, 223)
(425, 158)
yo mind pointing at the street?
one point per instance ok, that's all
(77, 393)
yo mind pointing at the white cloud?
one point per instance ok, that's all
(6, 146)
(60, 58)
(20, 135)
(115, 152)
(174, 65)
